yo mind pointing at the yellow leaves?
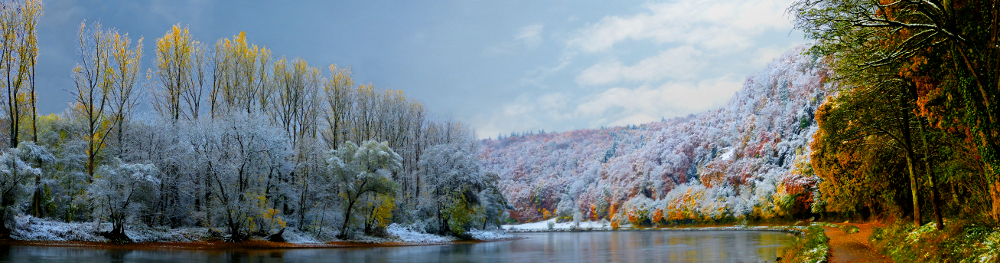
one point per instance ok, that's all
(269, 218)
(241, 74)
(382, 213)
(272, 216)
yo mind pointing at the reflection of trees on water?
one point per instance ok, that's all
(620, 246)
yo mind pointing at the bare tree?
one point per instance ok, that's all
(17, 63)
(99, 82)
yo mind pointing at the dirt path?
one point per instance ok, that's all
(853, 247)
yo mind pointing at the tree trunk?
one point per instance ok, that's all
(302, 204)
(4, 231)
(995, 196)
(935, 198)
(908, 148)
(234, 231)
(913, 190)
(36, 198)
(347, 219)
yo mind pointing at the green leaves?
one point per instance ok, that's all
(363, 170)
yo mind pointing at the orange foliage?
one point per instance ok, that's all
(612, 210)
(633, 218)
(593, 212)
(684, 206)
(658, 217)
(714, 174)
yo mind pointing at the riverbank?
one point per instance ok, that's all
(551, 226)
(30, 231)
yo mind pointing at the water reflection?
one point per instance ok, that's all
(627, 246)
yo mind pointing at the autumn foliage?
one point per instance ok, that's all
(726, 164)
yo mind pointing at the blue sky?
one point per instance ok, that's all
(498, 66)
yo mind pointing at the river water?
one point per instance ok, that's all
(618, 246)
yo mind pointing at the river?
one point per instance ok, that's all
(616, 246)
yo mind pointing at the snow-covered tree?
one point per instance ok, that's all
(363, 172)
(36, 156)
(120, 191)
(493, 202)
(242, 156)
(14, 176)
(454, 179)
(758, 134)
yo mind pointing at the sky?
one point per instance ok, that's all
(497, 66)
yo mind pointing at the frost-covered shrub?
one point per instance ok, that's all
(763, 196)
(14, 175)
(639, 211)
(564, 212)
(577, 217)
(39, 188)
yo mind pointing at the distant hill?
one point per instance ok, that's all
(734, 162)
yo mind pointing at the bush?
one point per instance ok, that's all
(958, 242)
(812, 246)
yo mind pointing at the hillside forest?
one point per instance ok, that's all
(890, 114)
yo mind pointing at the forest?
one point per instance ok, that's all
(911, 132)
(748, 160)
(239, 141)
(889, 115)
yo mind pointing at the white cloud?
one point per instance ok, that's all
(526, 113)
(613, 107)
(621, 106)
(527, 37)
(667, 60)
(531, 35)
(677, 63)
(729, 25)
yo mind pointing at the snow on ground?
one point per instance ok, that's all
(32, 228)
(405, 234)
(490, 235)
(728, 155)
(605, 225)
(295, 237)
(564, 226)
(145, 234)
(39, 229)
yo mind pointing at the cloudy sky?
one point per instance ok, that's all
(499, 66)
